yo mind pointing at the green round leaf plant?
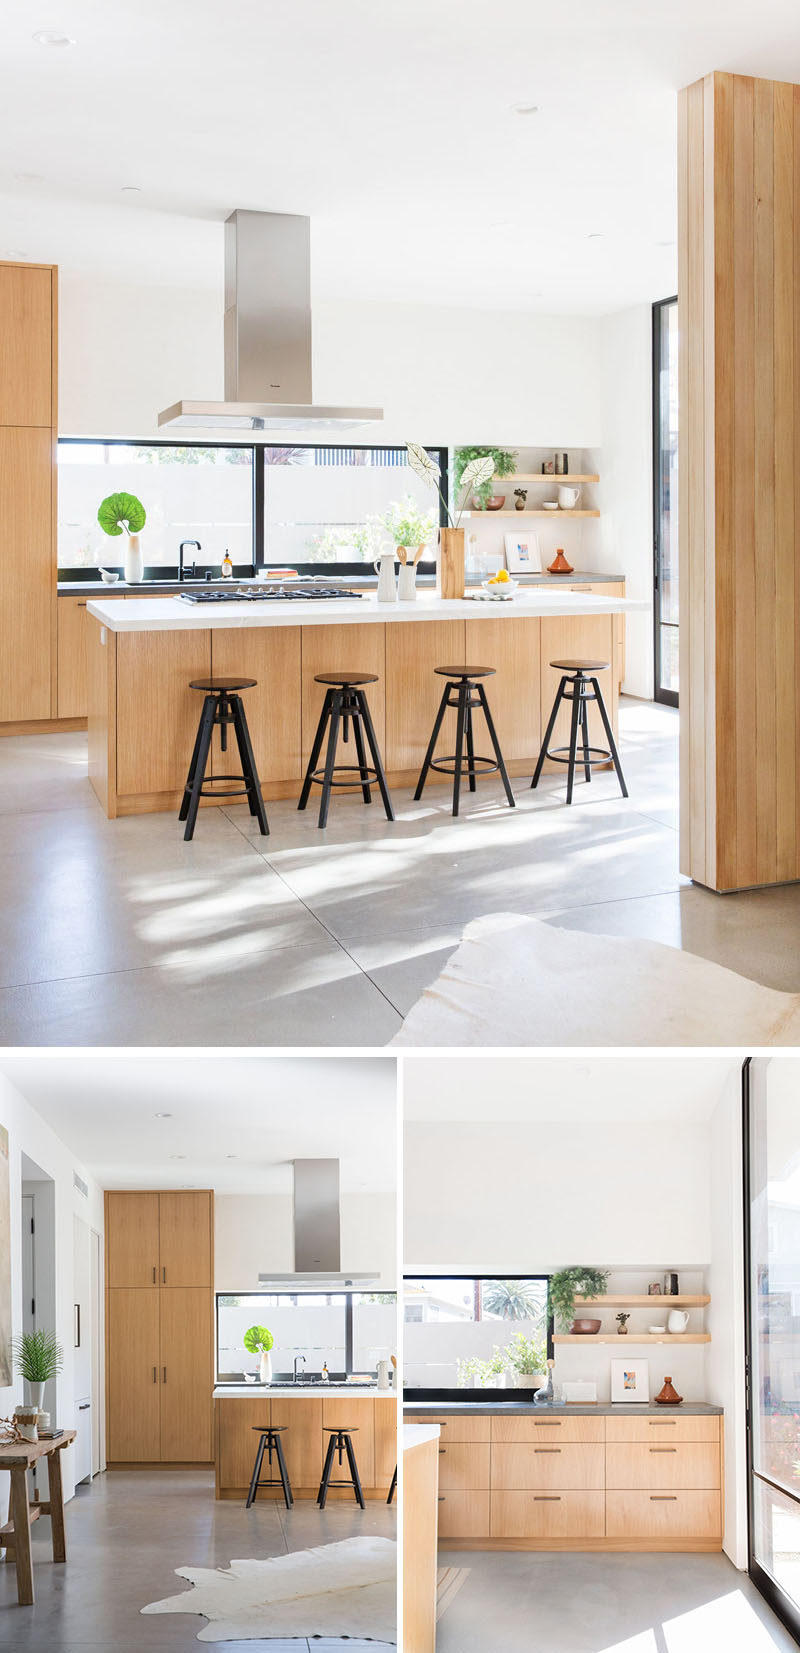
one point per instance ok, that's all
(122, 511)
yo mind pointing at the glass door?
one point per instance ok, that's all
(665, 498)
(772, 1262)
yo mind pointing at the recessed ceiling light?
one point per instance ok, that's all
(177, 1156)
(524, 108)
(596, 235)
(28, 177)
(231, 1156)
(162, 1116)
(131, 189)
(48, 37)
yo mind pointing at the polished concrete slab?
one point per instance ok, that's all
(129, 1530)
(117, 932)
(574, 1603)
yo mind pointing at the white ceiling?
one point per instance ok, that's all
(265, 1111)
(390, 124)
(657, 1090)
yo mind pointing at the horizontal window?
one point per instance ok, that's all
(473, 1332)
(346, 1331)
(337, 507)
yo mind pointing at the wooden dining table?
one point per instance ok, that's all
(15, 1537)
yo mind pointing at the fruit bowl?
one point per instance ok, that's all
(585, 1328)
(500, 588)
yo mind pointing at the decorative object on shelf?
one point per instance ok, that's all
(671, 1288)
(120, 512)
(668, 1396)
(259, 1341)
(654, 1290)
(558, 464)
(548, 467)
(38, 1356)
(559, 565)
(387, 584)
(657, 1331)
(622, 1324)
(9, 1431)
(450, 563)
(579, 1393)
(500, 586)
(503, 464)
(109, 576)
(549, 504)
(568, 498)
(547, 1394)
(523, 555)
(495, 502)
(582, 1327)
(630, 1380)
(525, 1359)
(565, 464)
(567, 1284)
(27, 1421)
(520, 498)
(677, 1321)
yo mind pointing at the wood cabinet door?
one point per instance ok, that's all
(512, 648)
(413, 690)
(463, 1514)
(185, 1238)
(73, 688)
(688, 1465)
(548, 1468)
(658, 1517)
(157, 711)
(573, 637)
(26, 346)
(132, 1245)
(27, 573)
(302, 1440)
(133, 1386)
(238, 1418)
(463, 1468)
(548, 1515)
(663, 1431)
(456, 1428)
(340, 1412)
(385, 1442)
(186, 1373)
(548, 1431)
(272, 656)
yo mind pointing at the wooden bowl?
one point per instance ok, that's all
(495, 502)
(585, 1328)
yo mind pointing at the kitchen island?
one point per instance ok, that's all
(144, 652)
(305, 1411)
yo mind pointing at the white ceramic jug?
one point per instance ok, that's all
(568, 498)
(387, 585)
(384, 1381)
(678, 1321)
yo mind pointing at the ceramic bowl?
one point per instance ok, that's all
(495, 502)
(657, 1331)
(549, 504)
(505, 588)
(585, 1328)
(108, 577)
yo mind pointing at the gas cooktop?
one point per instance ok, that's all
(282, 593)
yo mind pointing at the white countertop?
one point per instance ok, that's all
(296, 1391)
(416, 1434)
(173, 614)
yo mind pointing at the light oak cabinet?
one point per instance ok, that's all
(133, 1410)
(302, 1442)
(73, 684)
(305, 1420)
(413, 691)
(184, 1221)
(272, 708)
(159, 1238)
(132, 1239)
(186, 1333)
(571, 637)
(157, 711)
(27, 299)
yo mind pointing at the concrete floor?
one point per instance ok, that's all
(128, 1531)
(606, 1604)
(117, 932)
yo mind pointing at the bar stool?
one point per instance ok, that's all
(222, 706)
(393, 1487)
(341, 1442)
(579, 684)
(464, 693)
(269, 1442)
(345, 702)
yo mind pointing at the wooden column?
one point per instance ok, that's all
(739, 466)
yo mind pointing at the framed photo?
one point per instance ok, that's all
(630, 1380)
(522, 554)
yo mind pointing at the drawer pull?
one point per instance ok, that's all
(663, 1498)
(666, 1423)
(548, 1423)
(81, 605)
(442, 1499)
(442, 1451)
(547, 1498)
(547, 1449)
(663, 1449)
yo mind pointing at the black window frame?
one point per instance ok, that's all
(167, 572)
(782, 1605)
(488, 1396)
(666, 697)
(296, 1296)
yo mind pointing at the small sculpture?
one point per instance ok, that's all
(559, 565)
(668, 1396)
(622, 1324)
(520, 496)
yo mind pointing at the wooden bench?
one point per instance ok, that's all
(15, 1536)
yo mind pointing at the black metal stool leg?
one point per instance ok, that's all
(548, 732)
(573, 740)
(351, 1459)
(288, 1495)
(423, 774)
(330, 757)
(377, 761)
(187, 791)
(248, 762)
(473, 784)
(326, 1473)
(316, 748)
(587, 757)
(463, 691)
(393, 1487)
(256, 1475)
(204, 747)
(496, 744)
(224, 711)
(358, 735)
(612, 745)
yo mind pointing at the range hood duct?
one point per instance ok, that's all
(267, 335)
(317, 1233)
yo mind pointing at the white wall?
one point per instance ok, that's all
(253, 1234)
(725, 1362)
(625, 464)
(29, 1135)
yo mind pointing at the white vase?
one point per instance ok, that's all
(407, 583)
(265, 1369)
(387, 585)
(677, 1322)
(133, 561)
(36, 1393)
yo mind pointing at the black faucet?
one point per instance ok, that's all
(182, 572)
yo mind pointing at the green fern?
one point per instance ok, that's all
(37, 1356)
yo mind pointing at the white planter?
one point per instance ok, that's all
(134, 561)
(265, 1369)
(36, 1394)
(526, 1380)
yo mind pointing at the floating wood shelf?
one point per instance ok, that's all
(542, 476)
(633, 1337)
(556, 515)
(618, 1301)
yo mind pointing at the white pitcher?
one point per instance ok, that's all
(568, 498)
(678, 1321)
(387, 585)
(384, 1380)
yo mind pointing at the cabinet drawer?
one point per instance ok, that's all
(663, 1515)
(688, 1465)
(538, 1431)
(546, 1468)
(463, 1467)
(548, 1515)
(463, 1515)
(455, 1429)
(662, 1431)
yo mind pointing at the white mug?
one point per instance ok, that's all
(568, 498)
(677, 1322)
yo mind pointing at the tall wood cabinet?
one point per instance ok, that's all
(28, 431)
(159, 1326)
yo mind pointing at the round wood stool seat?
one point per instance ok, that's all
(224, 685)
(346, 680)
(270, 1428)
(580, 665)
(464, 671)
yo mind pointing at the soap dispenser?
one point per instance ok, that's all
(227, 566)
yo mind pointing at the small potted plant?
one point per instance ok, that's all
(38, 1356)
(504, 463)
(526, 1361)
(410, 530)
(565, 1286)
(520, 498)
(259, 1341)
(125, 513)
(622, 1324)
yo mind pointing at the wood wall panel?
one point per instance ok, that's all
(157, 712)
(739, 366)
(272, 708)
(27, 571)
(26, 353)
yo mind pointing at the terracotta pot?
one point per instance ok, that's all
(495, 502)
(668, 1396)
(585, 1328)
(559, 565)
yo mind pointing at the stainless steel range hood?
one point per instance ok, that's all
(267, 335)
(317, 1233)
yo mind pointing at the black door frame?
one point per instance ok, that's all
(667, 697)
(782, 1606)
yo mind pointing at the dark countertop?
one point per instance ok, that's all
(165, 588)
(524, 1408)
